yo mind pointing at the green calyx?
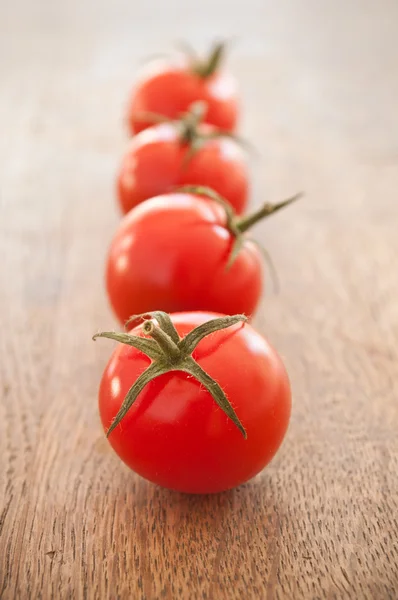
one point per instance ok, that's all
(188, 127)
(238, 226)
(168, 352)
(191, 134)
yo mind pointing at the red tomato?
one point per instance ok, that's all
(171, 253)
(175, 435)
(169, 87)
(156, 162)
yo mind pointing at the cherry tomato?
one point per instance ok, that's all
(175, 434)
(171, 253)
(157, 160)
(169, 87)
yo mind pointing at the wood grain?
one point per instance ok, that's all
(320, 86)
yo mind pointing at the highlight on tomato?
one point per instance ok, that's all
(186, 251)
(180, 152)
(195, 402)
(169, 86)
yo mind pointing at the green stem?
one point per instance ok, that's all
(166, 344)
(163, 320)
(246, 223)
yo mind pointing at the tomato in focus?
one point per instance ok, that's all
(171, 253)
(175, 435)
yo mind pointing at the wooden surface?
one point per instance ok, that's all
(320, 83)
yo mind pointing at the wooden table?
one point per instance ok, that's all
(320, 83)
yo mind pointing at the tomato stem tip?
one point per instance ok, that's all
(209, 66)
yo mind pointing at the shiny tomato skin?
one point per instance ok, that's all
(170, 253)
(155, 164)
(169, 89)
(175, 435)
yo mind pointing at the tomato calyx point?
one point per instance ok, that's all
(209, 66)
(168, 352)
(203, 68)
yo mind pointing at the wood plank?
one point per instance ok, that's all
(320, 84)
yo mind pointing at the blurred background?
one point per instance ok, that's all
(309, 73)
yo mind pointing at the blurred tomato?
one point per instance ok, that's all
(169, 87)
